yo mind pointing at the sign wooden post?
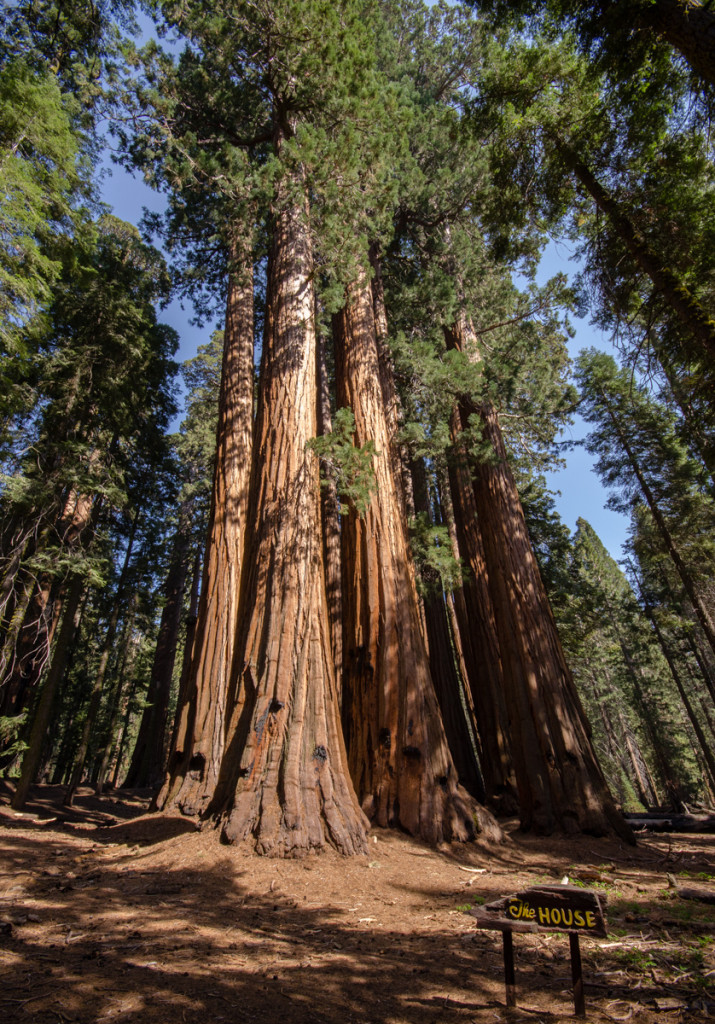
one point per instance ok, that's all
(546, 908)
(509, 976)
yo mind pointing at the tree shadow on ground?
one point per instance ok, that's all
(104, 933)
(44, 804)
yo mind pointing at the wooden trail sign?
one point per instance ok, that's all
(546, 908)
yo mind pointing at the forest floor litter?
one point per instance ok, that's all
(110, 914)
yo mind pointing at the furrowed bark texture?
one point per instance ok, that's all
(330, 516)
(478, 634)
(284, 779)
(559, 781)
(445, 668)
(399, 758)
(390, 398)
(198, 741)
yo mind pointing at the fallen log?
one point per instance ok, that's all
(672, 822)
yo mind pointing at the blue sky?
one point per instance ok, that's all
(579, 492)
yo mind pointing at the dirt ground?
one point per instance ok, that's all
(110, 914)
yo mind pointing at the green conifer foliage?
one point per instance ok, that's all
(623, 679)
(38, 174)
(641, 458)
(104, 399)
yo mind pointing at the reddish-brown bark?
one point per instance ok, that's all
(559, 781)
(198, 741)
(399, 758)
(478, 634)
(71, 609)
(284, 782)
(330, 517)
(460, 724)
(25, 659)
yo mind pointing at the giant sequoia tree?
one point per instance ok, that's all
(320, 170)
(283, 777)
(399, 757)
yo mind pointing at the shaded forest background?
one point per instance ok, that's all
(342, 589)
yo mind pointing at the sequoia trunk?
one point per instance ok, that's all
(477, 627)
(559, 781)
(398, 752)
(330, 517)
(198, 741)
(284, 781)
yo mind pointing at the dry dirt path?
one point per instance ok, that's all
(115, 915)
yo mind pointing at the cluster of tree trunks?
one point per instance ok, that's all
(320, 692)
(258, 744)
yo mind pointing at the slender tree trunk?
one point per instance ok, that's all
(147, 765)
(198, 742)
(685, 306)
(705, 747)
(705, 709)
(646, 782)
(125, 731)
(653, 728)
(699, 606)
(697, 435)
(127, 645)
(689, 27)
(284, 782)
(12, 618)
(628, 755)
(78, 512)
(29, 654)
(399, 758)
(15, 540)
(703, 666)
(43, 711)
(98, 687)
